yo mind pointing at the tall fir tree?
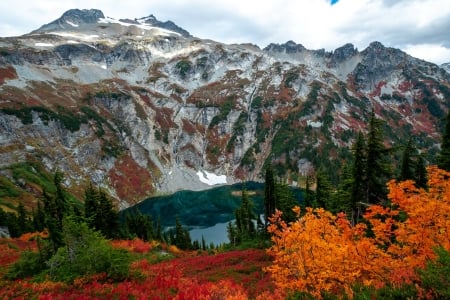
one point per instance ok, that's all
(443, 159)
(285, 201)
(359, 173)
(408, 165)
(378, 169)
(420, 172)
(323, 190)
(269, 194)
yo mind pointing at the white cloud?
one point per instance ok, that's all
(429, 52)
(404, 24)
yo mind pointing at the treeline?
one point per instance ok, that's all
(98, 212)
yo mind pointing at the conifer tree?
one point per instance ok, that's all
(269, 194)
(420, 173)
(443, 159)
(378, 170)
(285, 201)
(22, 219)
(309, 195)
(323, 190)
(39, 218)
(359, 174)
(181, 238)
(407, 169)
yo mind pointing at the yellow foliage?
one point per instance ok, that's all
(323, 252)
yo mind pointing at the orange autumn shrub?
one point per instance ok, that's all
(323, 252)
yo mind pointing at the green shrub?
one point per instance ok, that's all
(86, 252)
(436, 275)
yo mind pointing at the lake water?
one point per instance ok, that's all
(216, 234)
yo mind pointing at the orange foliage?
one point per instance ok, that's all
(136, 245)
(29, 236)
(322, 252)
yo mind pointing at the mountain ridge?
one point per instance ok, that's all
(140, 109)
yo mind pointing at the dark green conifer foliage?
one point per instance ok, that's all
(232, 234)
(22, 219)
(420, 173)
(443, 159)
(323, 190)
(407, 169)
(378, 168)
(245, 217)
(269, 194)
(341, 199)
(309, 195)
(359, 174)
(39, 217)
(285, 201)
(139, 225)
(100, 212)
(182, 238)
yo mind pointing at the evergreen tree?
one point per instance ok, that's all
(378, 170)
(108, 217)
(39, 218)
(139, 225)
(22, 219)
(269, 194)
(309, 195)
(407, 169)
(341, 199)
(245, 217)
(323, 190)
(285, 201)
(443, 159)
(359, 176)
(232, 234)
(420, 172)
(100, 212)
(182, 238)
(90, 205)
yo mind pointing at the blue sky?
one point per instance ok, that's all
(419, 27)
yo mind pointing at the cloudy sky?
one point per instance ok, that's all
(419, 27)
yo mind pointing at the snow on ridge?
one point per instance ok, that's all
(72, 24)
(211, 178)
(43, 45)
(158, 30)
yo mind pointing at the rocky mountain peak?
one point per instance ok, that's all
(345, 52)
(73, 18)
(169, 25)
(288, 47)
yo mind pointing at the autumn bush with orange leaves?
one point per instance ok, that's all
(321, 252)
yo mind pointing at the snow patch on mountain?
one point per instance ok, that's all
(43, 45)
(211, 178)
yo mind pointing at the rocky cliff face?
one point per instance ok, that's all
(140, 106)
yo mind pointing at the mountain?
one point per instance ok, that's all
(141, 107)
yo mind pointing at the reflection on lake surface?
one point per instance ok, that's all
(216, 234)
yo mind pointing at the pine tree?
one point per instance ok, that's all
(309, 195)
(323, 190)
(182, 238)
(407, 169)
(39, 218)
(359, 176)
(269, 194)
(420, 173)
(285, 201)
(443, 159)
(341, 199)
(378, 170)
(22, 219)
